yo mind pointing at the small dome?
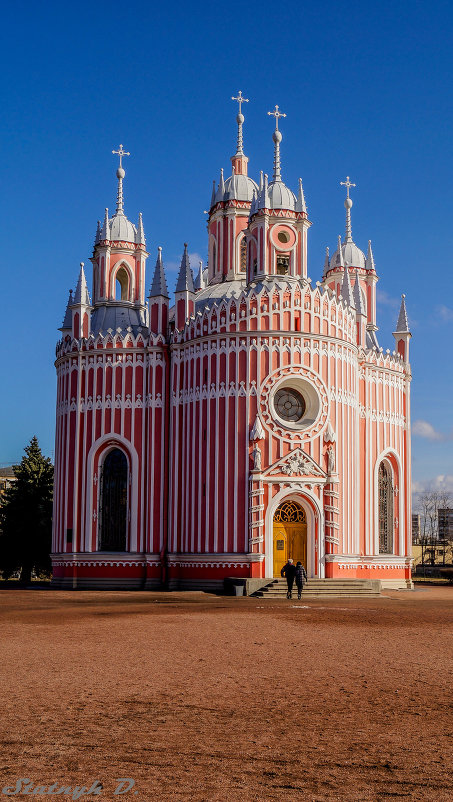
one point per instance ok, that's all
(122, 229)
(238, 187)
(280, 197)
(352, 256)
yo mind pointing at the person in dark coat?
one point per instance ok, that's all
(289, 571)
(301, 578)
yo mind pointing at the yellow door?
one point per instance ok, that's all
(290, 535)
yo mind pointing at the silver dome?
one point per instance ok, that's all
(238, 187)
(122, 229)
(352, 256)
(280, 196)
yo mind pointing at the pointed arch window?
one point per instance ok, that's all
(243, 256)
(122, 285)
(385, 494)
(113, 502)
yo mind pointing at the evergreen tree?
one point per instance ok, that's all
(26, 516)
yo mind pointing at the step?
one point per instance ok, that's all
(319, 588)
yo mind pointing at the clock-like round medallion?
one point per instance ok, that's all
(289, 404)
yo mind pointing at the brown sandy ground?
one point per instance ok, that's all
(199, 697)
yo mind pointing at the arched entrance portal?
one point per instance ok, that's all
(290, 535)
(113, 502)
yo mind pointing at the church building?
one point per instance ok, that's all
(253, 418)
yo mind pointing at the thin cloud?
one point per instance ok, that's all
(422, 428)
(442, 483)
(385, 299)
(445, 314)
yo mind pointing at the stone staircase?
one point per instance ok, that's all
(323, 589)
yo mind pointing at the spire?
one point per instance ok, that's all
(277, 137)
(340, 260)
(185, 278)
(346, 289)
(221, 188)
(213, 194)
(81, 295)
(98, 233)
(140, 231)
(261, 180)
(402, 324)
(369, 262)
(240, 121)
(348, 206)
(263, 195)
(300, 203)
(199, 280)
(159, 285)
(67, 322)
(326, 263)
(105, 230)
(357, 295)
(120, 175)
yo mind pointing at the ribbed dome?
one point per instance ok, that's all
(280, 197)
(352, 256)
(122, 229)
(237, 187)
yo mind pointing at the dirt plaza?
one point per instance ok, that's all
(200, 697)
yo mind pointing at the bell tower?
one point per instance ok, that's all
(229, 214)
(119, 260)
(278, 224)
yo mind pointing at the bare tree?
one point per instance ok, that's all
(429, 504)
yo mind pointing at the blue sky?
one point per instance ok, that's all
(366, 90)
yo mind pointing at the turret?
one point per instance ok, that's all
(158, 299)
(402, 334)
(185, 292)
(81, 307)
(278, 225)
(360, 311)
(229, 213)
(119, 260)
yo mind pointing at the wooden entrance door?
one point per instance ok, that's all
(290, 535)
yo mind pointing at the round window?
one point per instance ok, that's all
(283, 236)
(289, 404)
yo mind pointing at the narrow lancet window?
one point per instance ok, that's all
(385, 491)
(113, 502)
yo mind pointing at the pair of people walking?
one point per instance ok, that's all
(294, 573)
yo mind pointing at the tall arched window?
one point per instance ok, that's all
(385, 493)
(113, 502)
(122, 285)
(243, 256)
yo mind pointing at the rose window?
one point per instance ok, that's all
(289, 404)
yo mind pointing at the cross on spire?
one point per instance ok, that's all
(120, 152)
(240, 100)
(276, 113)
(347, 184)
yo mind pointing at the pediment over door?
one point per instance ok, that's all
(296, 464)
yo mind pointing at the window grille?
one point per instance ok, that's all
(290, 513)
(385, 492)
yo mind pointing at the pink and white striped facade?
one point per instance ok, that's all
(188, 395)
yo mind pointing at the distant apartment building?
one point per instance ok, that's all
(416, 527)
(7, 477)
(445, 523)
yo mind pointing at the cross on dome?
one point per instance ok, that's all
(276, 113)
(240, 119)
(240, 100)
(347, 184)
(348, 205)
(120, 152)
(120, 175)
(277, 137)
